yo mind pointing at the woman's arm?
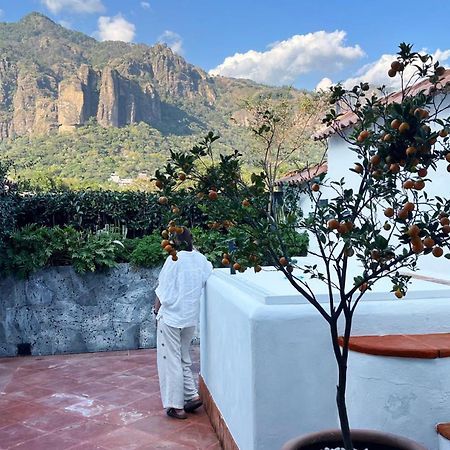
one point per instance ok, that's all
(157, 305)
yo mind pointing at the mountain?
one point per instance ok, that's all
(61, 89)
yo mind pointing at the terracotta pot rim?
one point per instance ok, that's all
(334, 437)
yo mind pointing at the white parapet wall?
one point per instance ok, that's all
(266, 355)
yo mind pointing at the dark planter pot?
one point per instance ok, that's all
(362, 439)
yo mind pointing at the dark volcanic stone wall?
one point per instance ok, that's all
(58, 311)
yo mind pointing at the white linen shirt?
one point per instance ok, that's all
(180, 286)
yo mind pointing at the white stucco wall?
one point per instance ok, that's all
(341, 159)
(269, 366)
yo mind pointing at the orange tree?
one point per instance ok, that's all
(379, 228)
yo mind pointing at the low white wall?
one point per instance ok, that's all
(269, 367)
(407, 396)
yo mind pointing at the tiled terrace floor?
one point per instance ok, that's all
(90, 401)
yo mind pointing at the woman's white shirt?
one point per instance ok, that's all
(180, 286)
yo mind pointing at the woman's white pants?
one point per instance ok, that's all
(174, 365)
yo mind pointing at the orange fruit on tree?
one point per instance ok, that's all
(363, 136)
(168, 248)
(444, 221)
(408, 184)
(413, 230)
(225, 262)
(394, 168)
(448, 168)
(387, 137)
(402, 214)
(446, 229)
(417, 247)
(389, 212)
(447, 157)
(258, 268)
(159, 184)
(440, 71)
(165, 234)
(409, 206)
(174, 258)
(172, 229)
(176, 210)
(422, 172)
(173, 252)
(179, 230)
(358, 168)
(315, 187)
(363, 287)
(397, 66)
(411, 151)
(236, 266)
(212, 195)
(182, 176)
(428, 242)
(163, 200)
(395, 124)
(443, 133)
(392, 73)
(375, 160)
(419, 185)
(437, 252)
(164, 243)
(404, 127)
(398, 293)
(283, 261)
(333, 224)
(245, 203)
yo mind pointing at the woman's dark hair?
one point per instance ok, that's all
(183, 241)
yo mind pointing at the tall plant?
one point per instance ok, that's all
(379, 226)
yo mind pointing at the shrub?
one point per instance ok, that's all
(148, 252)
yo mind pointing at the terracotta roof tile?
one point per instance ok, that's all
(301, 176)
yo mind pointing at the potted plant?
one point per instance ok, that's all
(381, 224)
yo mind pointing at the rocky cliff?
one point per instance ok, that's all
(57, 79)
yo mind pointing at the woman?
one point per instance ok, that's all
(177, 307)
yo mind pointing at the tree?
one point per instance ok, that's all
(384, 224)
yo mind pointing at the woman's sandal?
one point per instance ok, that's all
(192, 405)
(172, 412)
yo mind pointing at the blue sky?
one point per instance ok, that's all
(293, 42)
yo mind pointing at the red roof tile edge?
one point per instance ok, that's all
(302, 176)
(444, 430)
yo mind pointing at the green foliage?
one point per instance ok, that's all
(148, 252)
(94, 252)
(134, 213)
(26, 251)
(212, 244)
(8, 202)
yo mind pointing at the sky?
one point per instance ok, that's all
(302, 43)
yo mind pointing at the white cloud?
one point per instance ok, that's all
(65, 24)
(375, 73)
(324, 84)
(78, 6)
(286, 60)
(145, 5)
(115, 29)
(173, 40)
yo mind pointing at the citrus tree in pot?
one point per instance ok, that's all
(380, 224)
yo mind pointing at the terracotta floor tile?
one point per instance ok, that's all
(51, 441)
(53, 421)
(196, 435)
(97, 401)
(124, 440)
(121, 396)
(86, 430)
(16, 434)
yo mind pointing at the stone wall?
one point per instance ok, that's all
(58, 311)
